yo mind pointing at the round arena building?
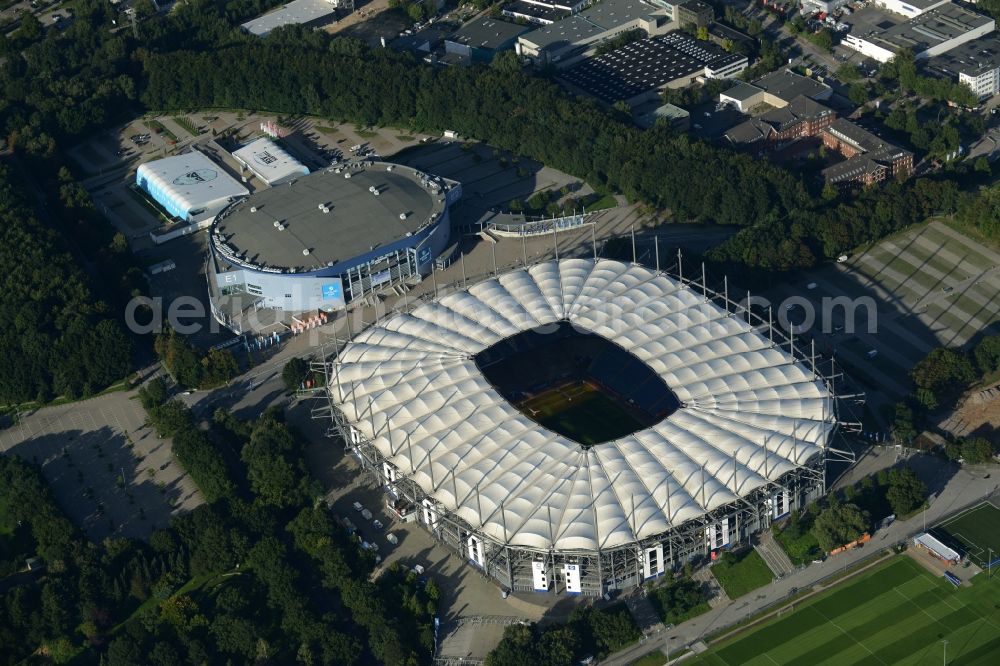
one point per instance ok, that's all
(323, 240)
(583, 425)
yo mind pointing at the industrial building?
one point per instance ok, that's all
(870, 159)
(564, 42)
(189, 187)
(297, 12)
(879, 34)
(975, 64)
(776, 89)
(542, 12)
(778, 127)
(641, 70)
(744, 442)
(269, 162)
(335, 236)
(482, 39)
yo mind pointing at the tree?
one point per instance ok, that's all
(294, 373)
(903, 427)
(941, 376)
(839, 524)
(987, 354)
(848, 73)
(906, 492)
(858, 93)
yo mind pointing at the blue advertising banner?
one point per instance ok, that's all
(332, 291)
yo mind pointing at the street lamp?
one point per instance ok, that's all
(945, 659)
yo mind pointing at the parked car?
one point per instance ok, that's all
(377, 524)
(358, 507)
(419, 569)
(392, 538)
(366, 514)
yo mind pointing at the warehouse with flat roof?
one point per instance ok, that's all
(189, 187)
(270, 162)
(879, 34)
(645, 67)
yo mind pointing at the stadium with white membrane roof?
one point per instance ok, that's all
(745, 442)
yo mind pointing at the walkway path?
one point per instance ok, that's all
(774, 555)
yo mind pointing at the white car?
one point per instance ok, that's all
(358, 507)
(377, 524)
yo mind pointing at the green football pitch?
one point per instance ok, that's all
(582, 412)
(977, 531)
(897, 613)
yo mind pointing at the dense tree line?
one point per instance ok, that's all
(56, 337)
(193, 448)
(191, 367)
(501, 105)
(241, 580)
(590, 632)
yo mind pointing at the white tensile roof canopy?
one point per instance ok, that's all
(750, 412)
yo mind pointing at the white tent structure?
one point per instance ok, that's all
(270, 162)
(523, 502)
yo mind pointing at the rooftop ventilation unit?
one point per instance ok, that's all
(277, 224)
(326, 209)
(402, 216)
(253, 209)
(347, 175)
(376, 192)
(305, 252)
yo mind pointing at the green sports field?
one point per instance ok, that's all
(582, 412)
(898, 613)
(977, 531)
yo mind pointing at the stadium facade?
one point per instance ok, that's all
(332, 237)
(536, 510)
(190, 187)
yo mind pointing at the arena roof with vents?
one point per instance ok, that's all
(750, 412)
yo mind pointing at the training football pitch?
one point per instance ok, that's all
(581, 411)
(897, 613)
(977, 531)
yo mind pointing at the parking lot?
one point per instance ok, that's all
(931, 286)
(110, 474)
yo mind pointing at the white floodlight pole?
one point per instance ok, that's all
(465, 279)
(493, 249)
(593, 238)
(632, 232)
(704, 282)
(749, 318)
(680, 265)
(770, 325)
(555, 241)
(434, 279)
(725, 291)
(524, 250)
(656, 251)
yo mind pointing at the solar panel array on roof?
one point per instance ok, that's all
(643, 65)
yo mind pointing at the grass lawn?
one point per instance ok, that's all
(581, 412)
(745, 574)
(404, 137)
(607, 201)
(800, 550)
(366, 134)
(652, 659)
(977, 531)
(896, 613)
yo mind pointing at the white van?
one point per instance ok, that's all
(392, 538)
